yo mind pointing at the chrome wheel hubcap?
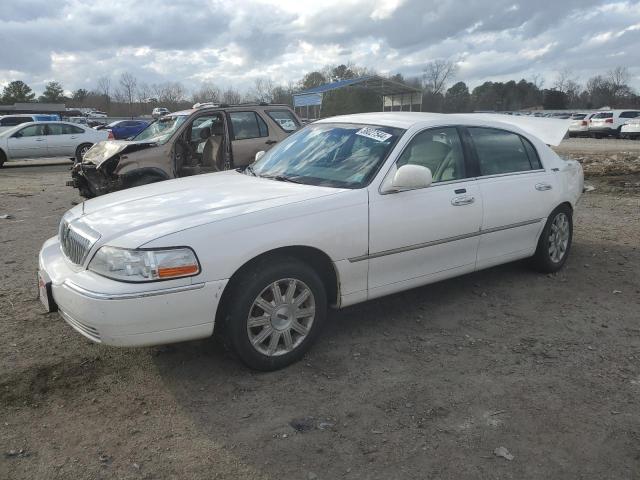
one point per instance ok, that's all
(280, 318)
(558, 237)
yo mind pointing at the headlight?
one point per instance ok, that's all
(144, 265)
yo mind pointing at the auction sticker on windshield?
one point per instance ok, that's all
(377, 135)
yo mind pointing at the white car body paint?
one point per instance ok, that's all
(378, 242)
(47, 145)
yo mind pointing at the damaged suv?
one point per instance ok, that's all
(180, 144)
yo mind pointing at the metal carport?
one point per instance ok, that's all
(394, 95)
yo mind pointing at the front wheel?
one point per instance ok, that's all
(555, 241)
(275, 313)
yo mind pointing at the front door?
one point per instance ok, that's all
(420, 235)
(29, 142)
(516, 192)
(250, 135)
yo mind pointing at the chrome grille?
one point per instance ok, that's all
(75, 241)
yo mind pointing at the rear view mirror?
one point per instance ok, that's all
(259, 155)
(408, 177)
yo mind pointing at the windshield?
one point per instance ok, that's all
(331, 155)
(161, 130)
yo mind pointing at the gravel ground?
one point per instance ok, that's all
(423, 384)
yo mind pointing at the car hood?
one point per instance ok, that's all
(144, 213)
(103, 151)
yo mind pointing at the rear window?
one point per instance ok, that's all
(502, 152)
(603, 115)
(285, 120)
(13, 121)
(629, 114)
(578, 116)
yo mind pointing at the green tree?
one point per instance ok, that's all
(80, 94)
(53, 93)
(17, 91)
(312, 80)
(457, 98)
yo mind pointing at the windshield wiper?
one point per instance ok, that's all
(281, 178)
(249, 169)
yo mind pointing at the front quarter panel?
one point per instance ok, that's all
(336, 225)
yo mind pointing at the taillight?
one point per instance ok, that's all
(111, 137)
(584, 123)
(609, 120)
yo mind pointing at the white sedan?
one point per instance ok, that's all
(48, 139)
(348, 209)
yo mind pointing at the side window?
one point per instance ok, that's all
(73, 130)
(285, 120)
(32, 131)
(55, 129)
(500, 151)
(438, 149)
(534, 159)
(247, 125)
(629, 114)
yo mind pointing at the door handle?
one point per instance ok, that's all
(462, 200)
(543, 187)
(73, 138)
(271, 142)
(39, 139)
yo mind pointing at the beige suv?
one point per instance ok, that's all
(202, 140)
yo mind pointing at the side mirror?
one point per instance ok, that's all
(408, 177)
(259, 155)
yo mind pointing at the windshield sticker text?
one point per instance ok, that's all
(377, 135)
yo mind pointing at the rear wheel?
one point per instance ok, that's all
(274, 313)
(555, 241)
(3, 158)
(81, 150)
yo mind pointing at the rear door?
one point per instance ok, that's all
(516, 193)
(63, 139)
(28, 142)
(249, 135)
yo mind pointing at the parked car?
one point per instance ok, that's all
(631, 129)
(182, 144)
(79, 120)
(96, 114)
(159, 112)
(579, 125)
(609, 123)
(123, 129)
(347, 209)
(47, 139)
(10, 121)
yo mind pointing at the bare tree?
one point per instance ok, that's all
(263, 90)
(104, 90)
(566, 83)
(436, 74)
(207, 92)
(537, 80)
(231, 96)
(128, 85)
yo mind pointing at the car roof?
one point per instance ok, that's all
(549, 130)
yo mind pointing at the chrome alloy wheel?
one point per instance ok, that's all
(280, 318)
(559, 238)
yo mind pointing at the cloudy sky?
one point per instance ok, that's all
(234, 42)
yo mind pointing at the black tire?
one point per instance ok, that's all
(3, 158)
(239, 304)
(81, 150)
(543, 260)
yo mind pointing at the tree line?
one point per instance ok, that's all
(130, 97)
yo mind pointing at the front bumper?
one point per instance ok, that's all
(148, 314)
(92, 182)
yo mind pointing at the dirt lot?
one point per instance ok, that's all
(424, 384)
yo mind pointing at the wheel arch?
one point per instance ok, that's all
(312, 256)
